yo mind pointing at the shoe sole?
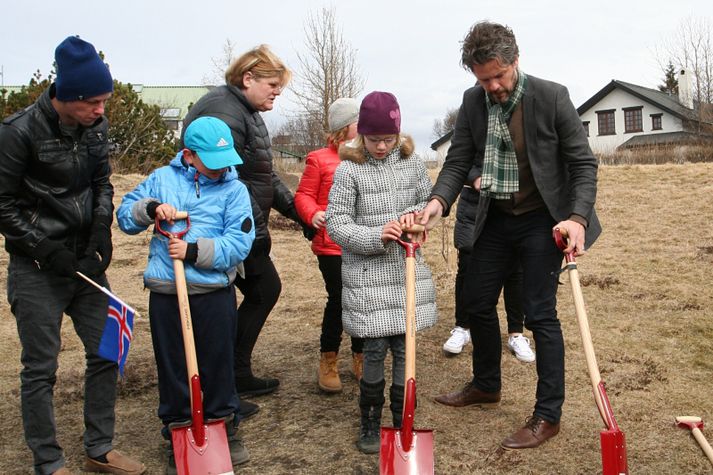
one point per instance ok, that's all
(329, 390)
(258, 392)
(522, 359)
(452, 352)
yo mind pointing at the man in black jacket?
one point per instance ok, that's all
(55, 214)
(535, 172)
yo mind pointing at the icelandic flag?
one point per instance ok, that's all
(118, 331)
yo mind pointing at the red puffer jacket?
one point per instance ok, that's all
(313, 193)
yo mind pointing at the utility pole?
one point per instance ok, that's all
(2, 75)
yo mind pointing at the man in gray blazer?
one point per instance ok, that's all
(536, 172)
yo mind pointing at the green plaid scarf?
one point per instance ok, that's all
(500, 178)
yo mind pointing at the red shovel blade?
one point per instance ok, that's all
(211, 457)
(613, 452)
(398, 460)
(406, 451)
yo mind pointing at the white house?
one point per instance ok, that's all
(625, 116)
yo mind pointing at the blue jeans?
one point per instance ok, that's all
(506, 239)
(38, 299)
(375, 353)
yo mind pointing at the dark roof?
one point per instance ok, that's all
(659, 99)
(666, 138)
(442, 140)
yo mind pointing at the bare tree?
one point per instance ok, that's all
(327, 70)
(442, 126)
(219, 64)
(691, 48)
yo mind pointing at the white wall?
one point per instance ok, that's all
(618, 100)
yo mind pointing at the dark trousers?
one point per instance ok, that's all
(214, 319)
(504, 241)
(512, 295)
(331, 337)
(38, 299)
(260, 294)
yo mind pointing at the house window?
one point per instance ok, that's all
(656, 122)
(585, 124)
(605, 122)
(632, 120)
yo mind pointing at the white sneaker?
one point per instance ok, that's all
(458, 339)
(520, 347)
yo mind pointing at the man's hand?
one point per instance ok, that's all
(99, 250)
(575, 236)
(431, 214)
(62, 262)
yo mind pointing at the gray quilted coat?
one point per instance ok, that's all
(365, 195)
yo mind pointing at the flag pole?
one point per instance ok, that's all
(107, 292)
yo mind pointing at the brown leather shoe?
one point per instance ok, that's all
(535, 432)
(62, 471)
(469, 395)
(116, 463)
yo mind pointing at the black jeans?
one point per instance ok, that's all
(504, 241)
(214, 319)
(512, 295)
(260, 294)
(331, 337)
(38, 299)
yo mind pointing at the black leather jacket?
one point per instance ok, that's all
(52, 186)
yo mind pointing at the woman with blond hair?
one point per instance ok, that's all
(253, 82)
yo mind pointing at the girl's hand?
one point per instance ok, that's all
(177, 248)
(391, 231)
(407, 220)
(318, 220)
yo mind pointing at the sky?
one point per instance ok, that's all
(408, 47)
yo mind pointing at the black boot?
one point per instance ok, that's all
(396, 395)
(371, 402)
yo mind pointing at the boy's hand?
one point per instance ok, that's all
(391, 231)
(166, 212)
(177, 248)
(318, 220)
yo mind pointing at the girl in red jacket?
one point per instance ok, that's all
(311, 203)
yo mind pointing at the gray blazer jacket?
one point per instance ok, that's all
(563, 166)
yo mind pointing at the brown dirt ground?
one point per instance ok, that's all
(647, 287)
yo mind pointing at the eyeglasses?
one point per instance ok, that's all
(388, 141)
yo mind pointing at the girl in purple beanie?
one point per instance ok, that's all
(377, 190)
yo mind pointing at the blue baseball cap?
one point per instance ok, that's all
(210, 138)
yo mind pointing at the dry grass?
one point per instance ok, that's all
(648, 295)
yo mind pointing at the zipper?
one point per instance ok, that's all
(198, 188)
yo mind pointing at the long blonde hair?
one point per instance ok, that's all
(262, 63)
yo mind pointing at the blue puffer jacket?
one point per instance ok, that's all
(221, 224)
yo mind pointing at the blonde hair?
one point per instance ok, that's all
(262, 63)
(337, 137)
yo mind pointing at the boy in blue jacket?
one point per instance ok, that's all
(201, 180)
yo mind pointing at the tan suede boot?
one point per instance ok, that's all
(358, 365)
(328, 376)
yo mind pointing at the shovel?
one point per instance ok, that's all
(696, 424)
(408, 450)
(200, 448)
(612, 438)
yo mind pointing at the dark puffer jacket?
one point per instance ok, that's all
(52, 186)
(252, 142)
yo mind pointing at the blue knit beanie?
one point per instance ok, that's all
(81, 73)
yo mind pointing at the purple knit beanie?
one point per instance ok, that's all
(81, 73)
(379, 114)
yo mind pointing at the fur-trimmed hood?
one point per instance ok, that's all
(359, 154)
